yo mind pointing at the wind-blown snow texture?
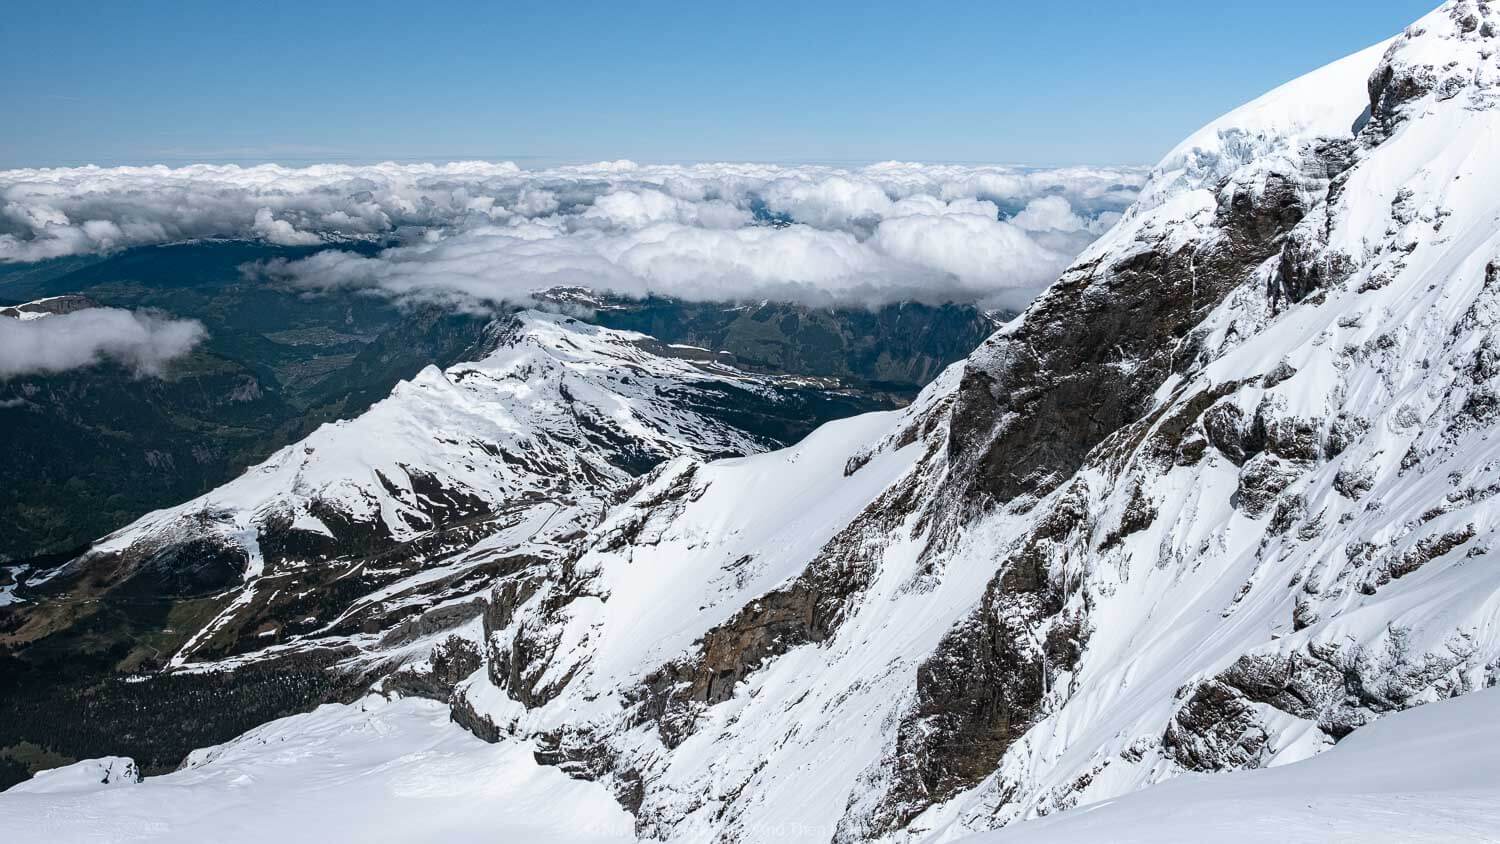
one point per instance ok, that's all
(371, 771)
(382, 771)
(1222, 496)
(1428, 775)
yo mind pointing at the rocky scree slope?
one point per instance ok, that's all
(1220, 497)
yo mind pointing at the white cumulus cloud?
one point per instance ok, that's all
(281, 232)
(58, 342)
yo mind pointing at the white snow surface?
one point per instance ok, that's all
(384, 770)
(1426, 775)
(375, 771)
(1323, 104)
(84, 775)
(809, 740)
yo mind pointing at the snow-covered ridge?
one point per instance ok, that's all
(1330, 102)
(1289, 543)
(1425, 775)
(518, 449)
(376, 770)
(519, 399)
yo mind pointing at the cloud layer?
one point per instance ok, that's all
(58, 342)
(493, 231)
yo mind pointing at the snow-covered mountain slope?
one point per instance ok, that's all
(411, 508)
(1426, 775)
(1219, 498)
(382, 770)
(1222, 496)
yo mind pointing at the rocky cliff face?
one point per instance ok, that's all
(1216, 500)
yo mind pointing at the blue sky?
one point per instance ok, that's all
(1030, 83)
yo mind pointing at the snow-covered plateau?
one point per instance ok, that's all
(1169, 557)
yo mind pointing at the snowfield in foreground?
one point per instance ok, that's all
(376, 770)
(1428, 774)
(398, 771)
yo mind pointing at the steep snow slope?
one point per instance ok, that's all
(1430, 774)
(708, 573)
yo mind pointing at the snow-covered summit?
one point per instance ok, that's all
(1329, 102)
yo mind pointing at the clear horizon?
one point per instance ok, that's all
(839, 83)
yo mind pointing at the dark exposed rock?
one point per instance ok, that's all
(1215, 729)
(452, 660)
(198, 567)
(66, 304)
(433, 621)
(1338, 689)
(584, 755)
(1229, 431)
(1179, 438)
(1280, 373)
(1289, 437)
(1343, 432)
(1261, 480)
(628, 529)
(462, 712)
(518, 664)
(806, 611)
(1218, 727)
(1425, 551)
(981, 688)
(1353, 482)
(1093, 349)
(1289, 510)
(1139, 514)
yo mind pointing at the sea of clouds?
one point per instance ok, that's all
(497, 232)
